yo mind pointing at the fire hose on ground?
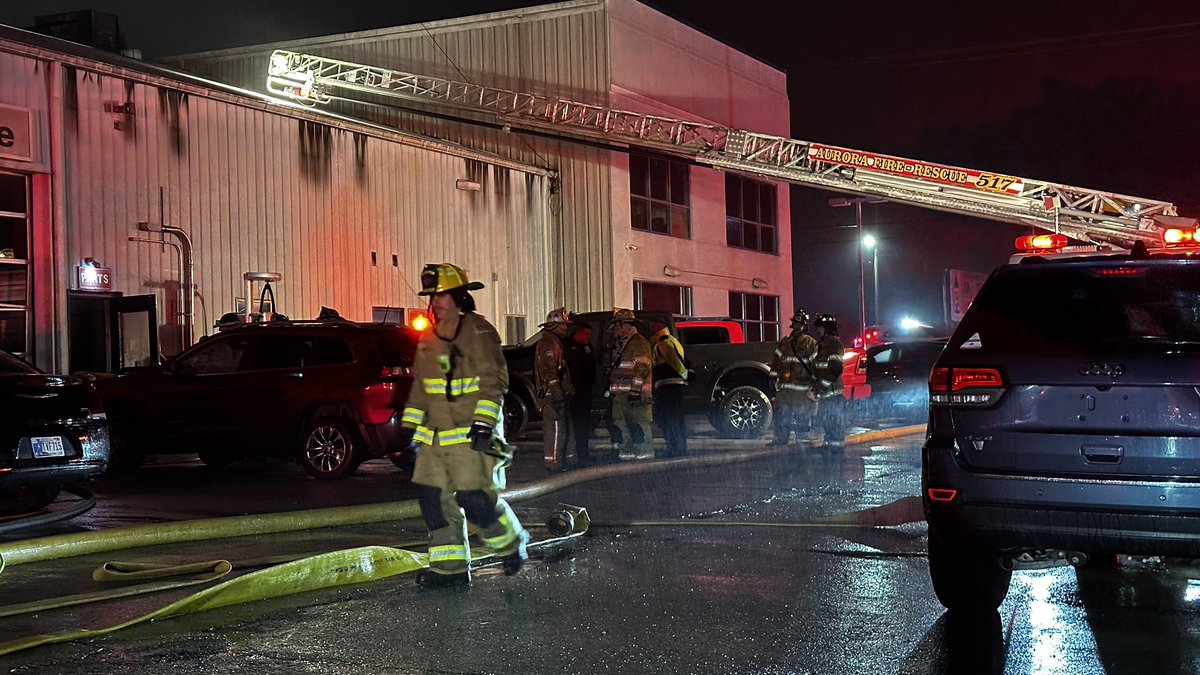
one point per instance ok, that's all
(322, 571)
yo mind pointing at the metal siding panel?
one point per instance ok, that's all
(562, 53)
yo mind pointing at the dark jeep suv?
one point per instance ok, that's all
(329, 393)
(1065, 421)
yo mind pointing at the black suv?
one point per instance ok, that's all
(1065, 421)
(328, 393)
(898, 374)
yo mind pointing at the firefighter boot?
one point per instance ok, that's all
(429, 579)
(514, 561)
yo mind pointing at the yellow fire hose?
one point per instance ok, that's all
(351, 566)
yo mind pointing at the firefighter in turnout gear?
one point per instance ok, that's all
(670, 377)
(629, 387)
(454, 416)
(554, 392)
(828, 389)
(793, 374)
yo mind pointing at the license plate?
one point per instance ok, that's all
(48, 446)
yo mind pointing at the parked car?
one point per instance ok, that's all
(329, 393)
(1064, 421)
(53, 433)
(729, 381)
(897, 375)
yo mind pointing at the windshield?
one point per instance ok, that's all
(1069, 307)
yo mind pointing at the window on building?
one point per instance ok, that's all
(758, 314)
(385, 314)
(14, 263)
(659, 196)
(751, 214)
(662, 298)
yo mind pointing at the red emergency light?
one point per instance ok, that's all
(1180, 237)
(419, 319)
(1041, 242)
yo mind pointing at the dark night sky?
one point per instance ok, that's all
(1103, 97)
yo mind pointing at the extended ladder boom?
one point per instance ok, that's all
(1081, 213)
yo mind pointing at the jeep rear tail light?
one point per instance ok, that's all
(394, 372)
(976, 387)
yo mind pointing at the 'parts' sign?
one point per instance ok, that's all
(16, 133)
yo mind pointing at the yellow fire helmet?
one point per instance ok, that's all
(444, 277)
(623, 316)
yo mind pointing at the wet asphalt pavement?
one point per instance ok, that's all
(739, 579)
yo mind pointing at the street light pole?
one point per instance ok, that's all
(862, 282)
(875, 280)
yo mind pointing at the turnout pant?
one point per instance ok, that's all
(632, 420)
(668, 412)
(580, 410)
(794, 412)
(557, 441)
(831, 414)
(455, 485)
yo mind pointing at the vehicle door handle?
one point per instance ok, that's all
(1103, 454)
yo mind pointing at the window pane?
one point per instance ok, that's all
(753, 307)
(639, 183)
(13, 238)
(735, 305)
(750, 200)
(658, 219)
(771, 332)
(223, 357)
(12, 331)
(766, 201)
(639, 213)
(680, 227)
(750, 235)
(733, 232)
(13, 284)
(660, 297)
(658, 179)
(766, 242)
(754, 332)
(770, 309)
(733, 196)
(679, 183)
(12, 193)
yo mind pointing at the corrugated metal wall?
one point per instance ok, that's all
(557, 49)
(270, 192)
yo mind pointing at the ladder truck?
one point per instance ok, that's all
(1086, 215)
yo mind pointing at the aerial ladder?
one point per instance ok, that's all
(1080, 213)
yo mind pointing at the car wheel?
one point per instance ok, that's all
(329, 450)
(216, 459)
(27, 498)
(516, 416)
(966, 578)
(745, 412)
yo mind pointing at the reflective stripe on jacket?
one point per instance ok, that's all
(631, 369)
(459, 377)
(792, 367)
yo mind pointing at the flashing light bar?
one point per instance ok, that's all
(1177, 236)
(1041, 242)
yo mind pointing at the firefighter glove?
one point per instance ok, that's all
(481, 437)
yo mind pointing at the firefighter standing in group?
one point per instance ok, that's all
(828, 388)
(793, 374)
(454, 414)
(670, 377)
(554, 391)
(629, 387)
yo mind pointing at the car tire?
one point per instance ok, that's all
(329, 448)
(966, 578)
(216, 459)
(27, 499)
(744, 412)
(516, 416)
